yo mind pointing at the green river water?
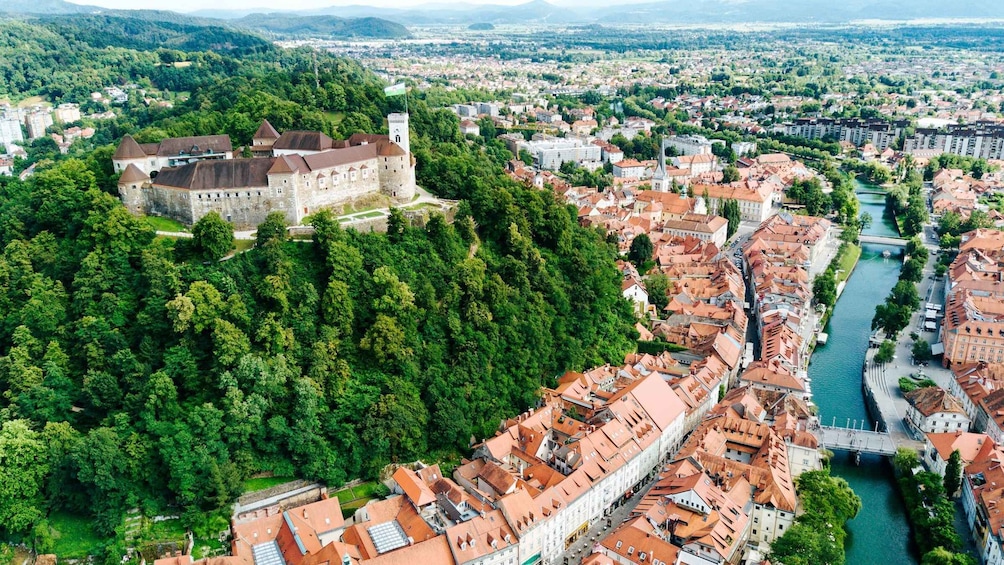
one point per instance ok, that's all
(880, 535)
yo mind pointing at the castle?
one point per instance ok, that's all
(296, 173)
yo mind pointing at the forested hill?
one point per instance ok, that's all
(151, 33)
(135, 375)
(289, 25)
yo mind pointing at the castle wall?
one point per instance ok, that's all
(325, 188)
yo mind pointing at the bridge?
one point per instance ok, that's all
(857, 440)
(880, 239)
(875, 192)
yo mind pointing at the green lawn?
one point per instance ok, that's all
(262, 483)
(167, 530)
(244, 244)
(74, 535)
(846, 261)
(165, 224)
(335, 117)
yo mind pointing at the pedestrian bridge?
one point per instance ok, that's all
(883, 240)
(857, 440)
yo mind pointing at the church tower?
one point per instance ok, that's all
(660, 180)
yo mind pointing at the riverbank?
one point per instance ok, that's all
(880, 534)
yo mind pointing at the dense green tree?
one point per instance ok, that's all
(921, 350)
(657, 286)
(272, 229)
(824, 288)
(886, 352)
(730, 174)
(731, 212)
(24, 465)
(953, 474)
(213, 237)
(641, 250)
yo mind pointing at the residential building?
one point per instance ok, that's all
(67, 113)
(702, 226)
(629, 168)
(549, 154)
(934, 410)
(983, 504)
(689, 144)
(856, 131)
(938, 448)
(10, 130)
(983, 140)
(36, 122)
(755, 205)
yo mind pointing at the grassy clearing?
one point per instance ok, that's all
(335, 117)
(31, 101)
(845, 261)
(373, 214)
(355, 497)
(74, 536)
(167, 529)
(165, 224)
(262, 483)
(244, 244)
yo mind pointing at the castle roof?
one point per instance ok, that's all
(223, 174)
(128, 149)
(303, 141)
(266, 131)
(132, 173)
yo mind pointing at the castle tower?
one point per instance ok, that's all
(129, 152)
(261, 142)
(397, 124)
(397, 176)
(132, 188)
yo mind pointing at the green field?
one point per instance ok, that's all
(74, 536)
(262, 483)
(845, 261)
(244, 244)
(165, 224)
(352, 498)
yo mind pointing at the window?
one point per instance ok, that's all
(630, 550)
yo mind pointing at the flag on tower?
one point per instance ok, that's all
(395, 90)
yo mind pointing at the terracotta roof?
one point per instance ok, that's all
(414, 487)
(132, 173)
(128, 149)
(266, 131)
(934, 400)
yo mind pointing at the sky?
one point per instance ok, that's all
(283, 5)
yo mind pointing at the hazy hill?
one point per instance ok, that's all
(106, 30)
(290, 25)
(44, 7)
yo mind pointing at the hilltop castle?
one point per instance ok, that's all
(296, 173)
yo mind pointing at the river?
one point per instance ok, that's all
(880, 534)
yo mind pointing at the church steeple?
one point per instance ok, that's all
(660, 180)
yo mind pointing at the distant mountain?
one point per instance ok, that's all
(289, 25)
(534, 12)
(821, 11)
(44, 7)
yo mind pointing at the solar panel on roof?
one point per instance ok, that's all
(387, 536)
(267, 554)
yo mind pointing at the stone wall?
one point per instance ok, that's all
(245, 208)
(313, 194)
